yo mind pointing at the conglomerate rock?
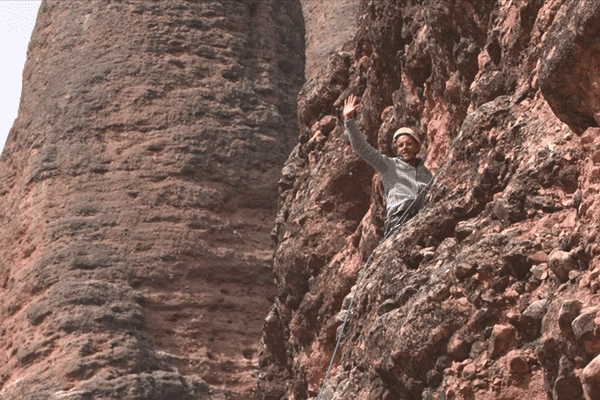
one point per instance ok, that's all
(137, 192)
(492, 291)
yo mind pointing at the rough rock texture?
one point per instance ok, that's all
(329, 24)
(137, 192)
(492, 292)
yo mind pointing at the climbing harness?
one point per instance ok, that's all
(393, 229)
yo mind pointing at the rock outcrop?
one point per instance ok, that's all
(329, 24)
(137, 192)
(138, 186)
(492, 291)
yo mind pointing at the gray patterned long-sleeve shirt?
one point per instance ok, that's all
(402, 182)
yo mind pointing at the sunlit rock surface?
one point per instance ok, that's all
(137, 190)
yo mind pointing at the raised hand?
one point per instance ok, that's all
(350, 107)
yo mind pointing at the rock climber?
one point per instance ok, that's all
(405, 179)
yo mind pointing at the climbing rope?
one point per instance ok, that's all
(393, 229)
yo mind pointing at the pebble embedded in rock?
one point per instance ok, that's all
(537, 258)
(585, 329)
(590, 377)
(502, 340)
(540, 271)
(584, 323)
(561, 263)
(517, 362)
(569, 310)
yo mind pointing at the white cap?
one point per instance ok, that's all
(408, 132)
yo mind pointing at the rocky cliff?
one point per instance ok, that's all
(137, 193)
(492, 291)
(138, 186)
(328, 24)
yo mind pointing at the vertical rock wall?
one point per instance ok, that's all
(492, 292)
(329, 24)
(137, 190)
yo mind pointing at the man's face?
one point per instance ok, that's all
(406, 147)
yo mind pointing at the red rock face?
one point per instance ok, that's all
(137, 191)
(491, 293)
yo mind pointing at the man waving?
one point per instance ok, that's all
(405, 178)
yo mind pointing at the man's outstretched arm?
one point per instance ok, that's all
(358, 141)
